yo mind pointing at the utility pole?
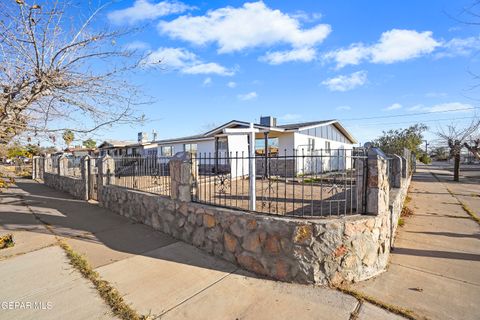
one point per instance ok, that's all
(426, 146)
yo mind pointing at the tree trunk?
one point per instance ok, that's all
(456, 168)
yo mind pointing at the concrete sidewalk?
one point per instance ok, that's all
(435, 265)
(46, 278)
(160, 276)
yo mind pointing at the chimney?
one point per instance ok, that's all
(142, 137)
(154, 135)
(268, 121)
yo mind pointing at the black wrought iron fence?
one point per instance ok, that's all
(55, 164)
(304, 183)
(23, 166)
(148, 174)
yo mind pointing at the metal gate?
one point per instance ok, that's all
(92, 177)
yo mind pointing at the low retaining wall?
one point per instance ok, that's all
(397, 200)
(77, 187)
(321, 251)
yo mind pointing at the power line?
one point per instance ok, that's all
(407, 122)
(410, 114)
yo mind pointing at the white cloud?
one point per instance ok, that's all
(247, 96)
(145, 10)
(459, 47)
(231, 84)
(279, 57)
(251, 25)
(290, 117)
(137, 45)
(208, 68)
(185, 61)
(346, 82)
(305, 16)
(399, 45)
(343, 108)
(394, 106)
(207, 82)
(393, 46)
(449, 107)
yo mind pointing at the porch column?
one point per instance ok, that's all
(266, 173)
(252, 170)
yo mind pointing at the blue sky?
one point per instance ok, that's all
(301, 61)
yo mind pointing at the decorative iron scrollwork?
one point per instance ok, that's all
(222, 183)
(267, 192)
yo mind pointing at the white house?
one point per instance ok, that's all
(305, 147)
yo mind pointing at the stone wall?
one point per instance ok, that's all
(321, 251)
(77, 187)
(397, 200)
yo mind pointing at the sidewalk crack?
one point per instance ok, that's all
(197, 293)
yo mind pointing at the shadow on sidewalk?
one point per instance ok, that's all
(450, 234)
(437, 254)
(89, 223)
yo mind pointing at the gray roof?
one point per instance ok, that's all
(118, 143)
(291, 126)
(193, 137)
(299, 125)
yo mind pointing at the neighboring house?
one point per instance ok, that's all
(114, 148)
(317, 138)
(117, 148)
(80, 151)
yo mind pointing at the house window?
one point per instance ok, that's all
(222, 145)
(166, 151)
(327, 147)
(311, 144)
(152, 152)
(190, 147)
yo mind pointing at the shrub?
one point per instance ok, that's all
(425, 158)
(6, 241)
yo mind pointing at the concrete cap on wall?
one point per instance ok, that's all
(182, 156)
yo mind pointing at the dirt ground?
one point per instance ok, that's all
(300, 197)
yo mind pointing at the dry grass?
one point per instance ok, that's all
(470, 212)
(409, 314)
(465, 207)
(111, 296)
(6, 241)
(406, 212)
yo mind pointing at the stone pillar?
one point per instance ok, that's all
(84, 174)
(47, 164)
(377, 182)
(404, 168)
(360, 167)
(396, 171)
(62, 165)
(106, 170)
(182, 177)
(35, 167)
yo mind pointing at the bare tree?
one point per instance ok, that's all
(58, 72)
(456, 139)
(474, 147)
